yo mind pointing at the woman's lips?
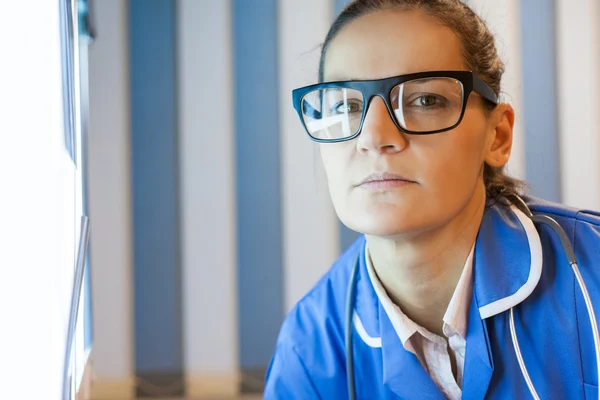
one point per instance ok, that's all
(385, 184)
(385, 180)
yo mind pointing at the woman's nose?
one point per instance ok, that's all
(379, 134)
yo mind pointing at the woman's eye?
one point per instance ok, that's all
(347, 107)
(427, 101)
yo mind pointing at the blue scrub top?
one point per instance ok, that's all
(514, 265)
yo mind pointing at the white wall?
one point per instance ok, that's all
(37, 205)
(109, 197)
(207, 182)
(208, 179)
(310, 227)
(578, 66)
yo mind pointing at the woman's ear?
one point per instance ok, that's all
(500, 131)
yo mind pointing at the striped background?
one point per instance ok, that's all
(209, 208)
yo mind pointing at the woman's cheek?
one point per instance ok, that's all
(335, 168)
(451, 173)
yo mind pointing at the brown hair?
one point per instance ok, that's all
(478, 49)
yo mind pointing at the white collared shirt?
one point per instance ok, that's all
(431, 349)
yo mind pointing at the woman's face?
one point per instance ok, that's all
(445, 169)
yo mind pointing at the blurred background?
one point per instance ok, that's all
(209, 211)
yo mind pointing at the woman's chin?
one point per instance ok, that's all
(384, 224)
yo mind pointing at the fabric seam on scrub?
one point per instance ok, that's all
(308, 377)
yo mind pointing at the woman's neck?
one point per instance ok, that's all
(420, 274)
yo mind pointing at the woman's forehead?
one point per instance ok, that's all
(389, 43)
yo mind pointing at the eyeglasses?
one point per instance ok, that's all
(421, 103)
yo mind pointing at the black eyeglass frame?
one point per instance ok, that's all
(383, 88)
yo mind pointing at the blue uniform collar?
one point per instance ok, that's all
(508, 260)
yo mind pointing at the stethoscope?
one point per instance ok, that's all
(568, 251)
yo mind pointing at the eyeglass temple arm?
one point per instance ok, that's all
(310, 112)
(484, 90)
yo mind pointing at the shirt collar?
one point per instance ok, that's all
(457, 313)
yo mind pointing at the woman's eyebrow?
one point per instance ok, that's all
(342, 78)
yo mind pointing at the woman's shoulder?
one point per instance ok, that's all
(309, 354)
(309, 350)
(570, 214)
(583, 231)
(322, 307)
(582, 226)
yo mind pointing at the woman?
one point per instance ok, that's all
(413, 140)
